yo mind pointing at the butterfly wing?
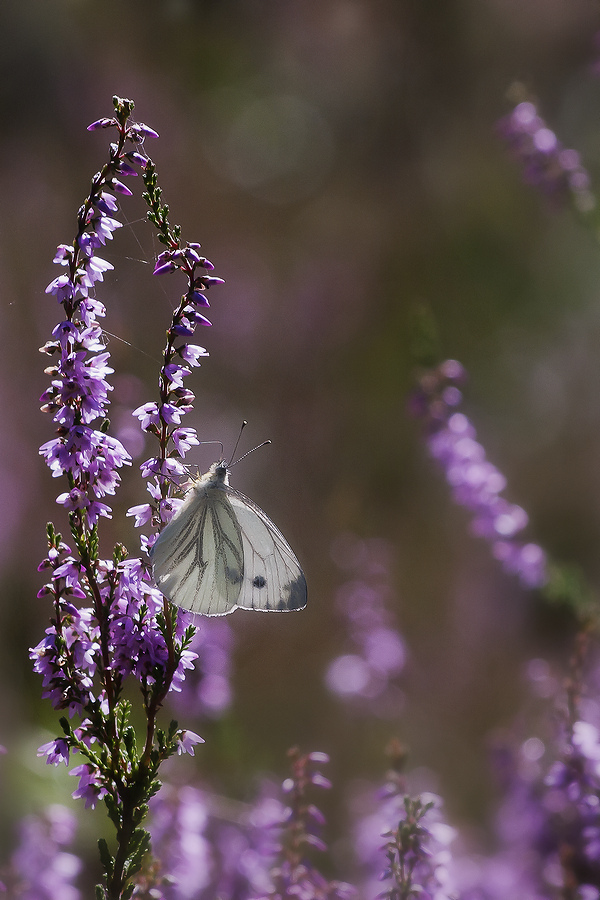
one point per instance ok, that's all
(198, 558)
(272, 579)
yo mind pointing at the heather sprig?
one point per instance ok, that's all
(163, 419)
(477, 485)
(548, 165)
(475, 482)
(402, 840)
(294, 874)
(548, 823)
(412, 867)
(109, 624)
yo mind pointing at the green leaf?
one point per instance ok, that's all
(130, 744)
(113, 809)
(127, 891)
(106, 858)
(64, 724)
(100, 892)
(139, 844)
(568, 586)
(154, 788)
(123, 714)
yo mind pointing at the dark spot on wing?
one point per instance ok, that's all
(259, 582)
(234, 576)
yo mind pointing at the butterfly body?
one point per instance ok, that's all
(220, 551)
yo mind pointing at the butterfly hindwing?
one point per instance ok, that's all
(273, 579)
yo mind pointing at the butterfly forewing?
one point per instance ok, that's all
(273, 579)
(198, 558)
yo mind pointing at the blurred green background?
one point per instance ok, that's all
(339, 162)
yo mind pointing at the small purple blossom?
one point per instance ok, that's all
(186, 742)
(56, 751)
(554, 169)
(475, 482)
(91, 787)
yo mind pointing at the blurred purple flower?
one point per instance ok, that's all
(548, 822)
(206, 691)
(367, 675)
(417, 850)
(42, 865)
(206, 846)
(475, 482)
(547, 165)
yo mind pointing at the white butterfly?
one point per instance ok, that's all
(220, 552)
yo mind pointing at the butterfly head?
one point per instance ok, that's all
(218, 473)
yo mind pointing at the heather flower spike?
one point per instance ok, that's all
(416, 852)
(109, 625)
(293, 874)
(475, 482)
(546, 163)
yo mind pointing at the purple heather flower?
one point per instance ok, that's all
(56, 751)
(192, 354)
(475, 482)
(186, 742)
(90, 788)
(367, 675)
(184, 439)
(554, 169)
(78, 396)
(142, 513)
(123, 628)
(163, 419)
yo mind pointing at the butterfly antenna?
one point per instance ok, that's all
(264, 443)
(247, 453)
(243, 425)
